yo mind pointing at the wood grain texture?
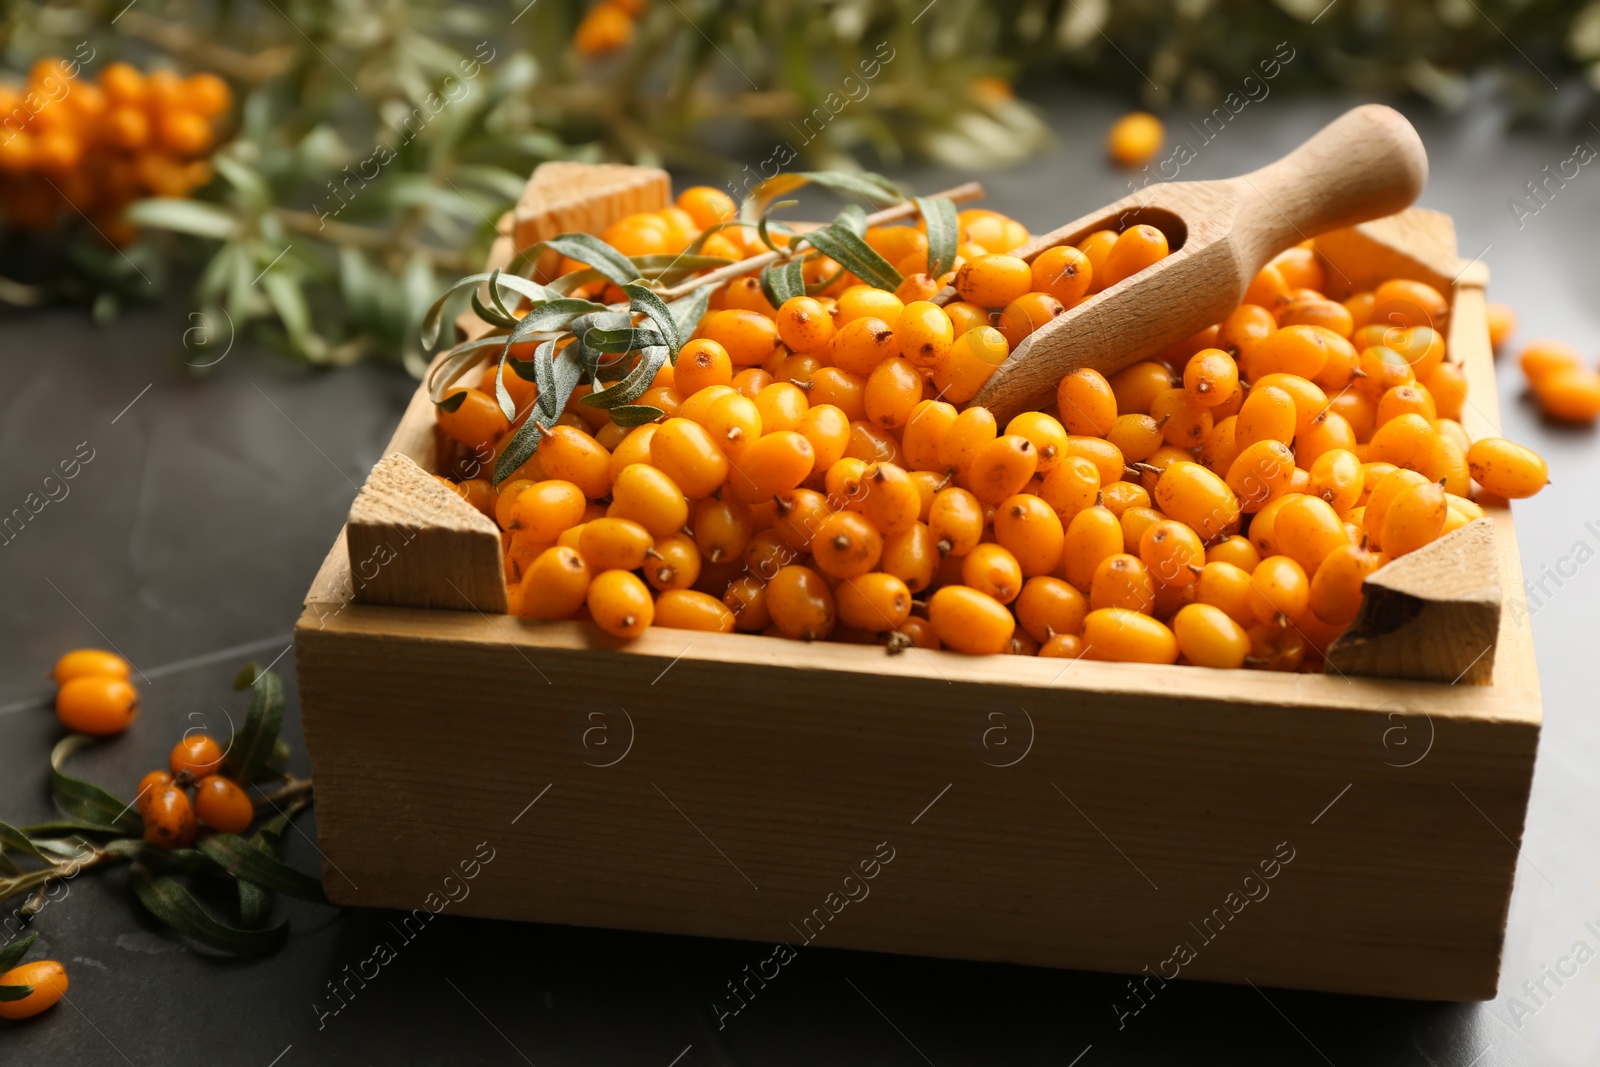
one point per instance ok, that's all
(1364, 165)
(564, 197)
(724, 785)
(1433, 615)
(411, 542)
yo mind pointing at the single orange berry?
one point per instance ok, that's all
(47, 979)
(197, 754)
(169, 819)
(85, 662)
(222, 805)
(97, 704)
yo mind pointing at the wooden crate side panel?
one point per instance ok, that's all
(729, 800)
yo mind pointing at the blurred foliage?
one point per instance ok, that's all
(377, 141)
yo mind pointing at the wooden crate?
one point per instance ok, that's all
(1335, 832)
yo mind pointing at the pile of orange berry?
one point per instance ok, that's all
(1565, 388)
(171, 819)
(813, 476)
(607, 27)
(74, 145)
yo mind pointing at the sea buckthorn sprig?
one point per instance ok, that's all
(163, 833)
(811, 473)
(74, 147)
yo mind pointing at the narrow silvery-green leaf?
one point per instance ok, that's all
(175, 906)
(84, 801)
(185, 216)
(652, 307)
(247, 756)
(853, 253)
(939, 216)
(595, 253)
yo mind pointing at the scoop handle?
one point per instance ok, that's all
(1367, 163)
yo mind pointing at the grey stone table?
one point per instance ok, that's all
(189, 538)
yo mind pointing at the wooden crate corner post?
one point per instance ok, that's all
(414, 543)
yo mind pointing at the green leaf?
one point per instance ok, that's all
(595, 253)
(16, 840)
(433, 319)
(632, 387)
(652, 307)
(447, 370)
(852, 252)
(670, 269)
(15, 992)
(766, 222)
(185, 216)
(635, 414)
(523, 445)
(13, 953)
(176, 906)
(245, 861)
(939, 215)
(289, 301)
(875, 189)
(688, 310)
(85, 802)
(553, 315)
(247, 757)
(783, 281)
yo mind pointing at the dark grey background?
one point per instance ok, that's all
(190, 538)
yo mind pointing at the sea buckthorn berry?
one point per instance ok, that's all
(1388, 486)
(1048, 437)
(872, 444)
(97, 704)
(874, 602)
(801, 605)
(1136, 436)
(1543, 357)
(781, 406)
(889, 498)
(1210, 377)
(1447, 384)
(690, 609)
(697, 406)
(47, 979)
(734, 423)
(1236, 550)
(1422, 346)
(686, 452)
(864, 301)
(1299, 350)
(1026, 314)
(1029, 528)
(1062, 646)
(1337, 478)
(1209, 637)
(967, 620)
(1308, 530)
(1243, 329)
(799, 514)
(912, 556)
(893, 390)
(1063, 272)
(222, 805)
(1408, 441)
(1172, 553)
(545, 508)
(804, 325)
(620, 604)
(1381, 369)
(1279, 587)
(1571, 395)
(674, 563)
(1449, 467)
(993, 571)
(1184, 423)
(707, 206)
(90, 662)
(1048, 606)
(746, 598)
(1309, 401)
(972, 360)
(1198, 498)
(1136, 248)
(1087, 403)
(1268, 415)
(635, 448)
(608, 544)
(1336, 591)
(1092, 535)
(827, 427)
(1135, 521)
(748, 336)
(1267, 289)
(925, 333)
(846, 544)
(1502, 323)
(1328, 432)
(1070, 486)
(701, 362)
(1413, 518)
(1276, 647)
(1118, 497)
(1260, 472)
(968, 434)
(1134, 388)
(197, 754)
(1121, 581)
(653, 500)
(555, 584)
(1096, 247)
(1001, 468)
(1127, 636)
(915, 284)
(1134, 139)
(956, 521)
(842, 389)
(169, 819)
(1226, 586)
(993, 281)
(864, 343)
(574, 456)
(1403, 302)
(1317, 311)
(477, 422)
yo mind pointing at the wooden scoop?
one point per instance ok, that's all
(1366, 164)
